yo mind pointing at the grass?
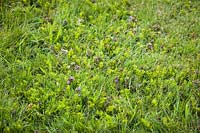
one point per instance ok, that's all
(100, 66)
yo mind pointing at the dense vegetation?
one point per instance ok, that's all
(100, 65)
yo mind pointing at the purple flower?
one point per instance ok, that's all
(130, 18)
(78, 89)
(71, 78)
(68, 82)
(116, 80)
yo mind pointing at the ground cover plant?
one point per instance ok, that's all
(100, 66)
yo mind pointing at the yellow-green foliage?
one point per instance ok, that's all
(99, 66)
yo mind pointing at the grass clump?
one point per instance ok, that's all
(99, 66)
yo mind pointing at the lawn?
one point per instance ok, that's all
(100, 66)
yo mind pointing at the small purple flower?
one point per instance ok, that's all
(116, 80)
(68, 82)
(130, 18)
(71, 78)
(78, 89)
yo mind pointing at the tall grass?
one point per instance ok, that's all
(99, 66)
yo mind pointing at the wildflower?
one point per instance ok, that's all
(116, 80)
(68, 82)
(71, 79)
(78, 89)
(132, 19)
(150, 46)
